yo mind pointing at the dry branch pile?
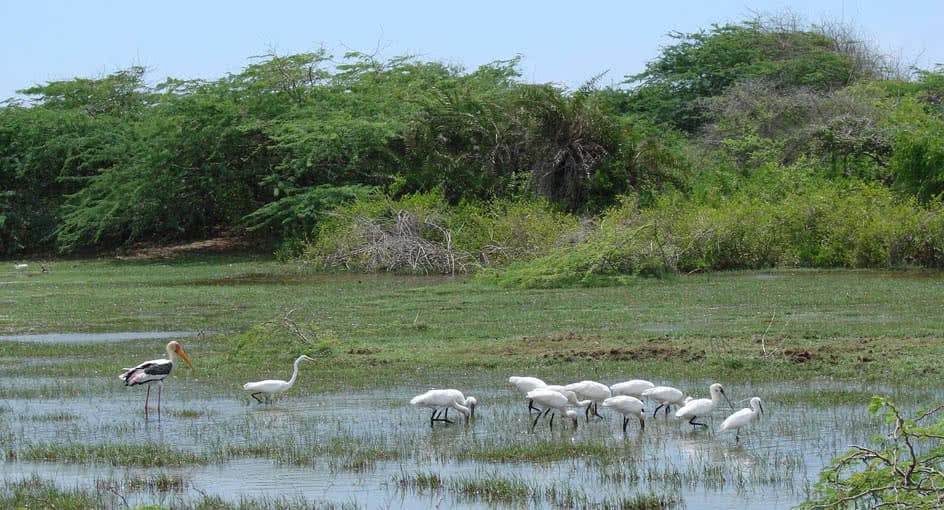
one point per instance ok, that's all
(402, 243)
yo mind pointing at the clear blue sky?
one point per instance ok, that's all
(562, 42)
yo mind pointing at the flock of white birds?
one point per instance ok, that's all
(626, 398)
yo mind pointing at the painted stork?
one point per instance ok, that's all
(155, 371)
(273, 386)
(444, 399)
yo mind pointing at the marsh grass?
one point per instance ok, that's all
(493, 488)
(134, 455)
(55, 417)
(160, 482)
(189, 413)
(37, 493)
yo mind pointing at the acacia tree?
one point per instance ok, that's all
(903, 470)
(704, 64)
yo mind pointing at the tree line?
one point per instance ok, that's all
(93, 164)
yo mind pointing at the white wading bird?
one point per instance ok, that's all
(666, 396)
(633, 388)
(273, 386)
(526, 384)
(561, 401)
(627, 406)
(444, 399)
(592, 391)
(703, 406)
(155, 371)
(742, 418)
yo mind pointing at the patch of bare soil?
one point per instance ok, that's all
(681, 354)
(222, 244)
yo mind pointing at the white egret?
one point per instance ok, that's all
(627, 406)
(666, 396)
(155, 371)
(632, 388)
(553, 400)
(444, 399)
(526, 384)
(702, 406)
(273, 386)
(742, 418)
(593, 391)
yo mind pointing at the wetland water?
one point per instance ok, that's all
(370, 449)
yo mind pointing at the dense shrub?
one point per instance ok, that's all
(423, 233)
(825, 224)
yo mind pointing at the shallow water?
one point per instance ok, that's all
(356, 447)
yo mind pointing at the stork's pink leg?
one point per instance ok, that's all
(160, 385)
(146, 397)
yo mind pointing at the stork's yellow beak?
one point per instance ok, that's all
(180, 352)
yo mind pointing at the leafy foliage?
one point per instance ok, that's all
(903, 469)
(704, 64)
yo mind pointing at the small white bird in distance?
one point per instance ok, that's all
(561, 401)
(627, 406)
(666, 396)
(742, 418)
(633, 388)
(445, 399)
(526, 384)
(270, 387)
(703, 406)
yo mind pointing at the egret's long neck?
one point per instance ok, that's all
(461, 408)
(715, 397)
(294, 373)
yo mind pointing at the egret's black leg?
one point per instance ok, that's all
(625, 421)
(737, 436)
(667, 406)
(596, 413)
(657, 410)
(535, 422)
(432, 418)
(532, 408)
(694, 423)
(546, 411)
(587, 412)
(255, 397)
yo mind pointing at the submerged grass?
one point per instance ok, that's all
(136, 455)
(37, 493)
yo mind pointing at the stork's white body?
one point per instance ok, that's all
(561, 401)
(633, 388)
(742, 418)
(701, 406)
(155, 370)
(526, 384)
(627, 406)
(592, 391)
(445, 399)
